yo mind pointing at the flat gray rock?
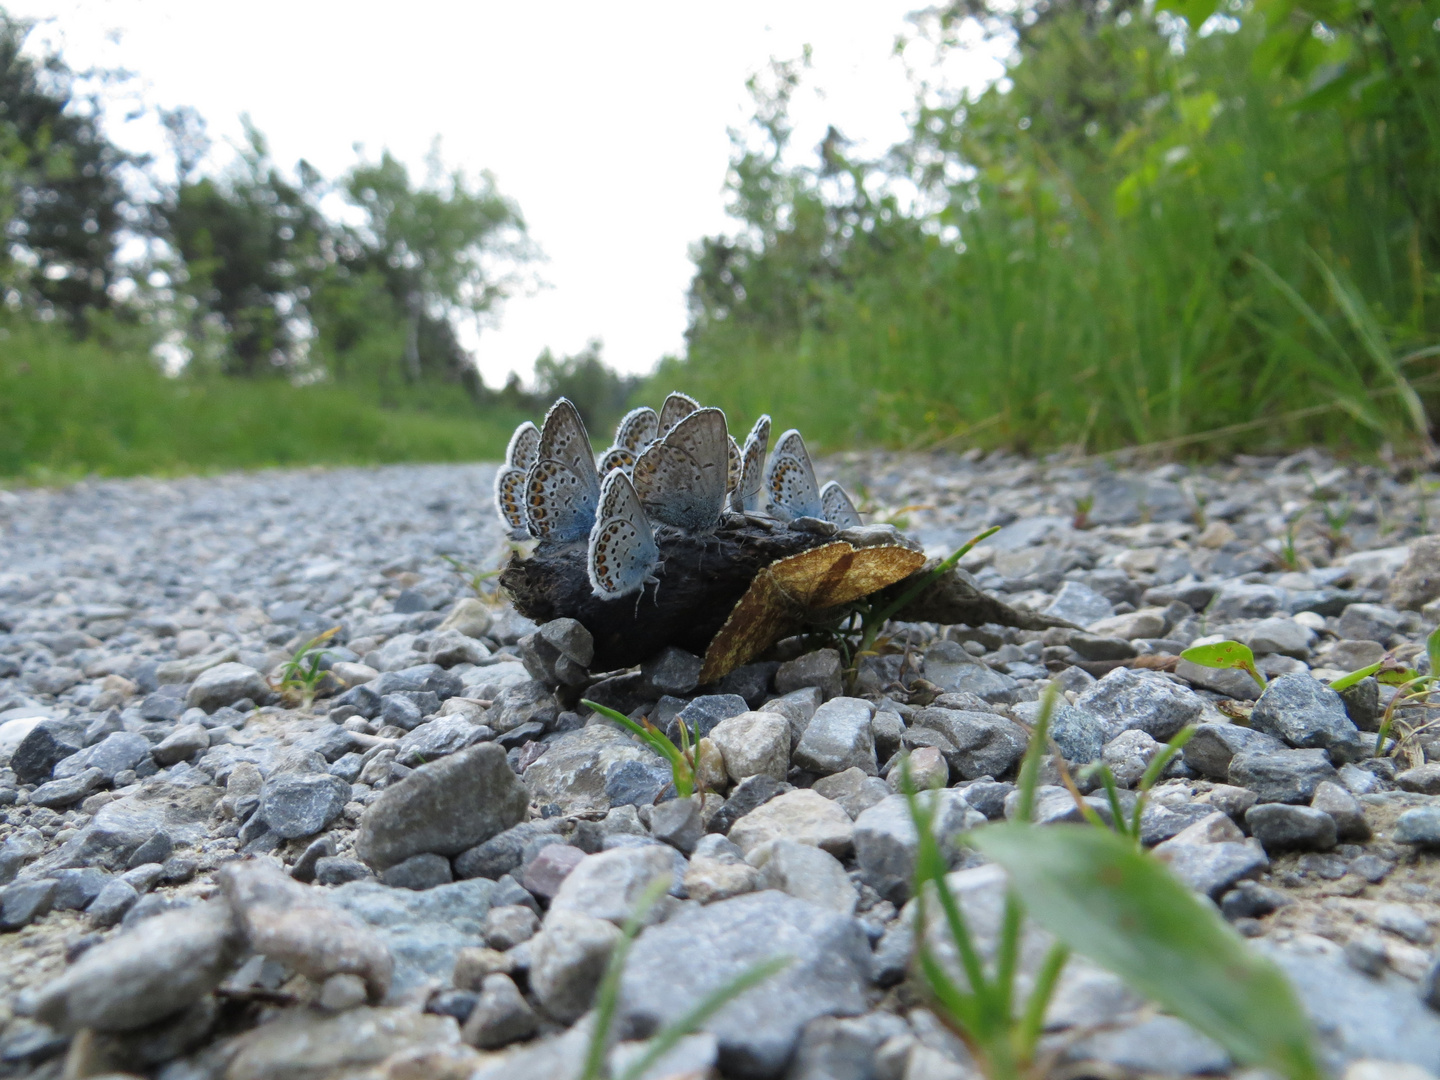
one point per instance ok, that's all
(757, 1032)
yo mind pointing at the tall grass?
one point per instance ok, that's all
(68, 409)
(1146, 291)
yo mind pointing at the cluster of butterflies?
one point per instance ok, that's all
(680, 468)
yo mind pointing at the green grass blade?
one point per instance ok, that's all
(680, 768)
(1356, 676)
(1032, 1023)
(1100, 896)
(607, 996)
(1039, 742)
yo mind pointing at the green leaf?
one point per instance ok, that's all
(1432, 649)
(1359, 674)
(1225, 654)
(1100, 896)
(1398, 676)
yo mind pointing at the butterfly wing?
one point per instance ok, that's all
(563, 438)
(732, 479)
(637, 429)
(790, 483)
(623, 555)
(524, 448)
(790, 444)
(559, 505)
(617, 457)
(748, 494)
(681, 479)
(677, 406)
(837, 508)
(510, 497)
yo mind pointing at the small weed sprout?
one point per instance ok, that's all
(1226, 654)
(681, 758)
(983, 1012)
(300, 676)
(607, 999)
(1083, 505)
(1413, 690)
(1099, 893)
(474, 579)
(1125, 826)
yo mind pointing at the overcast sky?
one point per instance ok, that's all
(605, 122)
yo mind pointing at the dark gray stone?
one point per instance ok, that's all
(702, 715)
(672, 671)
(749, 681)
(25, 901)
(503, 852)
(678, 824)
(750, 793)
(838, 737)
(47, 744)
(301, 804)
(154, 850)
(112, 902)
(1079, 604)
(821, 668)
(165, 704)
(419, 872)
(335, 870)
(112, 755)
(445, 807)
(1211, 748)
(1211, 869)
(1237, 600)
(757, 1032)
(1092, 647)
(1281, 827)
(525, 703)
(1128, 699)
(1362, 703)
(225, 684)
(76, 887)
(636, 783)
(886, 841)
(66, 792)
(1251, 900)
(985, 744)
(1345, 809)
(1420, 825)
(1307, 714)
(441, 736)
(1288, 776)
(1079, 734)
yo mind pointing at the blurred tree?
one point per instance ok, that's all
(249, 242)
(599, 392)
(442, 251)
(62, 203)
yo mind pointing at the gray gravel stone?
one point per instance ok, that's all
(46, 745)
(837, 738)
(1079, 604)
(567, 961)
(806, 873)
(225, 684)
(419, 872)
(886, 841)
(155, 970)
(1127, 699)
(1308, 714)
(1420, 825)
(1288, 776)
(821, 669)
(1281, 827)
(1079, 734)
(1369, 622)
(501, 1016)
(757, 1032)
(25, 901)
(115, 898)
(984, 744)
(672, 671)
(66, 792)
(1212, 747)
(1211, 869)
(301, 804)
(445, 807)
(1344, 809)
(112, 755)
(753, 744)
(610, 885)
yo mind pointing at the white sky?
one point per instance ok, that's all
(605, 122)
